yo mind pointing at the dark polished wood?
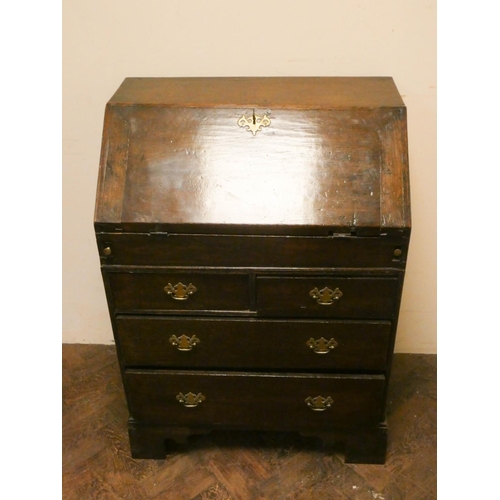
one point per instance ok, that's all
(253, 344)
(237, 465)
(362, 297)
(140, 291)
(259, 400)
(341, 167)
(339, 250)
(229, 206)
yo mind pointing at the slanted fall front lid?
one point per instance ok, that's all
(255, 153)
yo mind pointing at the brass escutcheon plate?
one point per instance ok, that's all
(254, 123)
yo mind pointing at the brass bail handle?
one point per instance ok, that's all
(322, 346)
(180, 291)
(326, 296)
(319, 403)
(190, 400)
(184, 343)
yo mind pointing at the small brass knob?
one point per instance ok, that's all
(398, 252)
(107, 251)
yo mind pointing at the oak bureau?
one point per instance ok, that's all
(253, 236)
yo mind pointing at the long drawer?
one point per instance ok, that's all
(178, 342)
(250, 250)
(263, 400)
(329, 296)
(179, 291)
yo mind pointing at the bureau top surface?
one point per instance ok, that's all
(284, 93)
(188, 155)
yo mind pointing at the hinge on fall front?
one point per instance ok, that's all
(340, 235)
(367, 231)
(361, 231)
(157, 229)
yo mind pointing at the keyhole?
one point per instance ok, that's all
(254, 116)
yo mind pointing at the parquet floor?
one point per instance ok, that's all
(246, 466)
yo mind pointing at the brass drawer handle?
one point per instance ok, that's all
(254, 123)
(326, 296)
(180, 291)
(322, 346)
(319, 403)
(184, 343)
(190, 400)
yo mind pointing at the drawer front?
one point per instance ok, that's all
(253, 344)
(333, 297)
(179, 291)
(261, 401)
(250, 251)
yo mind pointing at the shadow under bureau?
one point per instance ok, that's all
(253, 236)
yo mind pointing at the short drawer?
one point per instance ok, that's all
(265, 401)
(333, 297)
(179, 291)
(176, 342)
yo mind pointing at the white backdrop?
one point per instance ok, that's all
(107, 40)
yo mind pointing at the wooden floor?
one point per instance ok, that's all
(246, 466)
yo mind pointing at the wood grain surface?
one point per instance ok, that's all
(334, 156)
(281, 92)
(252, 344)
